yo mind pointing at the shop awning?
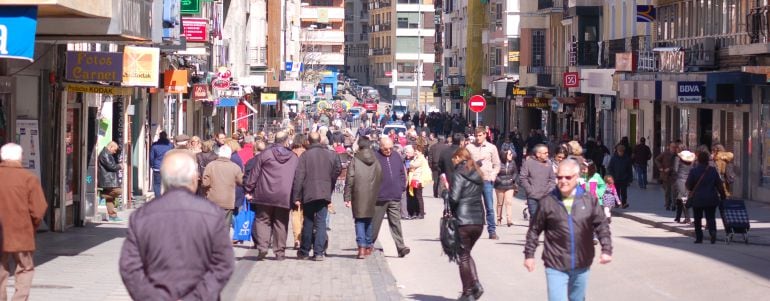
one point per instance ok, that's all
(572, 100)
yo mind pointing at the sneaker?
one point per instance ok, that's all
(319, 258)
(494, 236)
(115, 219)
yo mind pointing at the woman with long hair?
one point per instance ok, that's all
(505, 186)
(467, 207)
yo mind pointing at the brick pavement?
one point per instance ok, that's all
(340, 277)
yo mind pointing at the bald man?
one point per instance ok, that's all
(391, 191)
(152, 263)
(569, 249)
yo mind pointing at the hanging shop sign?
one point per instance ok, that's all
(175, 81)
(513, 56)
(98, 89)
(18, 25)
(200, 92)
(536, 103)
(690, 92)
(220, 84)
(227, 102)
(571, 80)
(141, 66)
(195, 29)
(190, 6)
(90, 66)
(268, 99)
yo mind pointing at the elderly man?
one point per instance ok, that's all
(488, 159)
(108, 179)
(569, 216)
(665, 163)
(268, 185)
(389, 195)
(22, 207)
(220, 178)
(152, 263)
(314, 181)
(537, 177)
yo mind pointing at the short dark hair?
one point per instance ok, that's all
(457, 138)
(703, 157)
(163, 135)
(364, 142)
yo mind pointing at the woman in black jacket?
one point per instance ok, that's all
(466, 205)
(505, 186)
(707, 193)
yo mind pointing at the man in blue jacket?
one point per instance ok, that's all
(157, 152)
(389, 198)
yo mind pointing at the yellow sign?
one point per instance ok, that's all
(513, 56)
(141, 66)
(519, 92)
(97, 89)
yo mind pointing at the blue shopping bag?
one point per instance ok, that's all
(242, 222)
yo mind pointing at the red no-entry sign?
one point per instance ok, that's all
(477, 103)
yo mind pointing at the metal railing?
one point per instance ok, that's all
(381, 51)
(586, 54)
(380, 27)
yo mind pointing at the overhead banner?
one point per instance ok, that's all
(141, 66)
(90, 66)
(175, 81)
(98, 89)
(18, 25)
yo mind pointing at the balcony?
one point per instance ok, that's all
(310, 13)
(115, 20)
(380, 51)
(258, 56)
(377, 4)
(324, 37)
(381, 27)
(545, 76)
(757, 40)
(550, 6)
(584, 54)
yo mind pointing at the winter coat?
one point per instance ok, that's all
(665, 163)
(316, 174)
(108, 170)
(706, 192)
(641, 154)
(537, 178)
(445, 164)
(393, 177)
(177, 247)
(158, 151)
(621, 168)
(420, 171)
(465, 196)
(568, 237)
(269, 181)
(682, 171)
(22, 207)
(362, 183)
(724, 164)
(220, 179)
(507, 171)
(239, 193)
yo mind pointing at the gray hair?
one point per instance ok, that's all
(178, 170)
(225, 151)
(570, 163)
(281, 137)
(11, 152)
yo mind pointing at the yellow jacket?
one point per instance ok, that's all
(419, 170)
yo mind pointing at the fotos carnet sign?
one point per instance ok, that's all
(690, 92)
(91, 66)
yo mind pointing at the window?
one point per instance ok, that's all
(321, 2)
(408, 20)
(407, 44)
(406, 67)
(538, 47)
(409, 1)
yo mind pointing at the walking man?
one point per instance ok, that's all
(641, 155)
(391, 189)
(445, 164)
(361, 186)
(665, 163)
(153, 266)
(488, 159)
(434, 154)
(22, 207)
(157, 151)
(108, 179)
(569, 249)
(268, 185)
(314, 182)
(537, 177)
(220, 178)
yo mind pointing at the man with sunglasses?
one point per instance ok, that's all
(569, 216)
(537, 177)
(488, 159)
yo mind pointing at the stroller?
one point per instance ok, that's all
(735, 219)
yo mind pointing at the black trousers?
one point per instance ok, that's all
(469, 234)
(415, 205)
(711, 221)
(622, 192)
(435, 181)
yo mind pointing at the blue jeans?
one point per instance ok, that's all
(156, 182)
(532, 207)
(364, 232)
(641, 175)
(489, 206)
(314, 225)
(569, 285)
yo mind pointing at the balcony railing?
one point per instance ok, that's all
(375, 4)
(586, 54)
(547, 76)
(381, 51)
(257, 56)
(380, 27)
(552, 5)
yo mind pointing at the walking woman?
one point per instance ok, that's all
(621, 169)
(682, 167)
(505, 186)
(707, 192)
(466, 205)
(419, 176)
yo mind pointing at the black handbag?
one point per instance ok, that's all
(449, 233)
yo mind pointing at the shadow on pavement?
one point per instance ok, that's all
(427, 298)
(75, 242)
(718, 252)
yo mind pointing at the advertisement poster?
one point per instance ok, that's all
(28, 136)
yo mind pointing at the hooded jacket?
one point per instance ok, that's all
(362, 183)
(316, 174)
(568, 236)
(465, 196)
(270, 180)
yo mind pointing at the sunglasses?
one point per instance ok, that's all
(568, 178)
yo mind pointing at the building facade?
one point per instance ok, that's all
(357, 40)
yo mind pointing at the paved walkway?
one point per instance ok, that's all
(646, 206)
(340, 277)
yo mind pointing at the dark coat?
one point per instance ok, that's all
(316, 174)
(665, 163)
(465, 196)
(641, 154)
(362, 183)
(710, 191)
(621, 168)
(270, 180)
(108, 170)
(568, 237)
(177, 248)
(239, 193)
(393, 177)
(507, 170)
(445, 164)
(434, 155)
(158, 151)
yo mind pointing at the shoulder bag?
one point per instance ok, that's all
(449, 233)
(691, 192)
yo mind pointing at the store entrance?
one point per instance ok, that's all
(6, 124)
(705, 127)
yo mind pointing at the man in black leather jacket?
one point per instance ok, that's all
(108, 178)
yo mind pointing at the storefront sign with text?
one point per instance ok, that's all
(90, 66)
(141, 66)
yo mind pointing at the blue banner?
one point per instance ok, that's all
(226, 102)
(18, 25)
